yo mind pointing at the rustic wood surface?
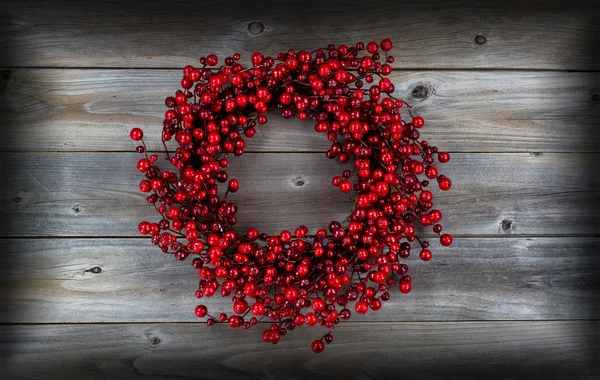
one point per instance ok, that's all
(511, 89)
(445, 350)
(469, 111)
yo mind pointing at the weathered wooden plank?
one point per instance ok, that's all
(515, 350)
(62, 110)
(96, 194)
(456, 34)
(128, 280)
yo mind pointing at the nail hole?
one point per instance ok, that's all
(94, 270)
(596, 97)
(76, 208)
(506, 224)
(256, 27)
(5, 74)
(15, 200)
(480, 39)
(155, 340)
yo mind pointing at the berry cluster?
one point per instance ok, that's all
(292, 279)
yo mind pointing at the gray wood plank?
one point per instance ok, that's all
(465, 111)
(512, 34)
(515, 350)
(96, 194)
(128, 280)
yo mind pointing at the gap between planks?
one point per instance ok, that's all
(449, 321)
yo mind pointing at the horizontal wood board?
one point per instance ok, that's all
(512, 34)
(96, 194)
(499, 350)
(129, 280)
(477, 111)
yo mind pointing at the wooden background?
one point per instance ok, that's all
(511, 90)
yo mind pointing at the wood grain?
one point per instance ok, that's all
(129, 280)
(518, 34)
(515, 350)
(491, 111)
(96, 194)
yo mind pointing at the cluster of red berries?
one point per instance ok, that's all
(292, 279)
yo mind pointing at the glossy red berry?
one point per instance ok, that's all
(386, 45)
(317, 346)
(425, 255)
(201, 311)
(212, 60)
(446, 240)
(405, 287)
(372, 47)
(143, 165)
(443, 157)
(418, 121)
(346, 186)
(136, 134)
(234, 185)
(445, 184)
(361, 307)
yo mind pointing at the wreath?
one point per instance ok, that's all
(294, 278)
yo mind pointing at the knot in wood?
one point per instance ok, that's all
(155, 340)
(256, 27)
(420, 92)
(506, 225)
(480, 39)
(596, 97)
(15, 200)
(94, 270)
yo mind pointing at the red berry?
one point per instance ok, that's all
(372, 47)
(317, 346)
(252, 234)
(361, 307)
(240, 307)
(300, 232)
(143, 165)
(418, 122)
(425, 255)
(386, 45)
(136, 134)
(375, 304)
(318, 304)
(345, 186)
(443, 157)
(445, 184)
(446, 240)
(310, 319)
(201, 311)
(234, 185)
(257, 58)
(405, 287)
(212, 60)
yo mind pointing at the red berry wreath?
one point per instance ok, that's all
(292, 279)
